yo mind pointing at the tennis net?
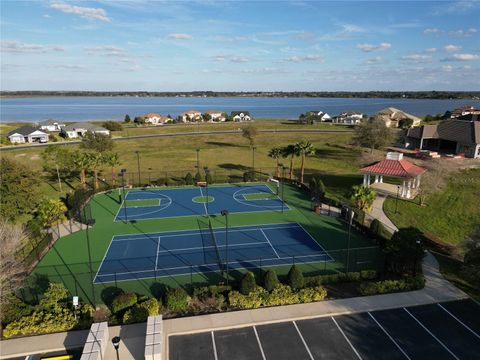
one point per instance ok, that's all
(214, 241)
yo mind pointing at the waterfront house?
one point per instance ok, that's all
(156, 119)
(320, 115)
(79, 129)
(27, 134)
(51, 125)
(191, 115)
(393, 117)
(455, 137)
(216, 115)
(470, 117)
(348, 118)
(461, 111)
(240, 116)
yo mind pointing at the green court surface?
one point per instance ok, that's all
(259, 196)
(143, 202)
(68, 260)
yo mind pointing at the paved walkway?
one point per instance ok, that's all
(377, 212)
(437, 289)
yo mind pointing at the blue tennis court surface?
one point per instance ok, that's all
(139, 256)
(164, 203)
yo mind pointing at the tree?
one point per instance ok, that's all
(250, 132)
(18, 189)
(139, 120)
(304, 148)
(373, 134)
(270, 280)
(290, 151)
(50, 212)
(207, 117)
(12, 268)
(295, 278)
(189, 179)
(363, 197)
(198, 177)
(276, 153)
(56, 292)
(127, 119)
(112, 126)
(402, 250)
(209, 178)
(317, 189)
(247, 284)
(82, 161)
(61, 158)
(96, 142)
(95, 160)
(405, 123)
(111, 159)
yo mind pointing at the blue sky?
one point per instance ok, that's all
(240, 45)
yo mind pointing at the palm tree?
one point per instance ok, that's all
(81, 161)
(275, 153)
(304, 148)
(111, 159)
(363, 197)
(292, 151)
(95, 160)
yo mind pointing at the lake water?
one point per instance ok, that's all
(115, 108)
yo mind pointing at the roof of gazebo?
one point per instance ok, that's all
(397, 168)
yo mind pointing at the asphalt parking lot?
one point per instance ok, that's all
(448, 330)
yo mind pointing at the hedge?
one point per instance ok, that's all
(295, 278)
(340, 277)
(270, 280)
(177, 300)
(389, 286)
(247, 284)
(123, 301)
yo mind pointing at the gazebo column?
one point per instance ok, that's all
(365, 180)
(376, 179)
(403, 190)
(381, 178)
(409, 184)
(418, 181)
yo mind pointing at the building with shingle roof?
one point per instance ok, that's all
(80, 128)
(27, 134)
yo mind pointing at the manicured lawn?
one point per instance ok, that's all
(68, 261)
(450, 214)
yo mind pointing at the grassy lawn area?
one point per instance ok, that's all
(67, 261)
(450, 268)
(450, 214)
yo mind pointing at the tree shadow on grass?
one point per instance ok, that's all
(230, 166)
(223, 144)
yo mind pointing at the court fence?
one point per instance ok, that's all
(79, 277)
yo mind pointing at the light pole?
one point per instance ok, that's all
(417, 246)
(198, 160)
(116, 344)
(283, 185)
(90, 222)
(350, 215)
(122, 174)
(207, 171)
(138, 166)
(253, 158)
(396, 200)
(225, 213)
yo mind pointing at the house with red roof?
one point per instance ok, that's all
(393, 166)
(156, 119)
(191, 115)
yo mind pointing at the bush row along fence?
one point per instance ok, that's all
(79, 279)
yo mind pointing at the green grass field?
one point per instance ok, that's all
(68, 260)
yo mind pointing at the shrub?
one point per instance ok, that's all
(42, 322)
(135, 314)
(13, 309)
(248, 176)
(247, 284)
(198, 177)
(212, 290)
(123, 301)
(52, 138)
(189, 179)
(152, 306)
(368, 274)
(177, 300)
(55, 293)
(252, 301)
(281, 295)
(101, 313)
(209, 178)
(389, 286)
(295, 278)
(270, 281)
(112, 125)
(312, 294)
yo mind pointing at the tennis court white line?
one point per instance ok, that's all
(209, 247)
(425, 328)
(275, 251)
(104, 256)
(315, 241)
(259, 343)
(346, 338)
(303, 340)
(204, 204)
(214, 346)
(135, 216)
(158, 247)
(390, 337)
(461, 322)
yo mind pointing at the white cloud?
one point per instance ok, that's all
(434, 31)
(229, 39)
(463, 33)
(462, 57)
(306, 58)
(372, 47)
(265, 71)
(179, 36)
(46, 16)
(430, 50)
(107, 50)
(231, 58)
(452, 47)
(375, 61)
(84, 12)
(351, 28)
(305, 35)
(13, 46)
(69, 67)
(416, 57)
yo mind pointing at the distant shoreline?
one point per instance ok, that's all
(472, 95)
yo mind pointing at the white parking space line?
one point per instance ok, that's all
(214, 346)
(346, 338)
(259, 343)
(303, 340)
(390, 337)
(425, 328)
(275, 251)
(460, 321)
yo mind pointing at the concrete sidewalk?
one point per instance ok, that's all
(437, 289)
(378, 213)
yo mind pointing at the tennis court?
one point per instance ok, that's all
(165, 203)
(139, 256)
